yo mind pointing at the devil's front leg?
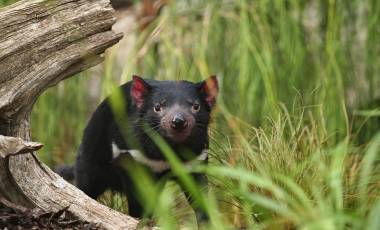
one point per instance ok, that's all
(199, 209)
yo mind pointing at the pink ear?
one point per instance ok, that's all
(139, 90)
(210, 88)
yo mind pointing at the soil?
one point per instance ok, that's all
(13, 216)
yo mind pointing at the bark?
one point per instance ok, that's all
(42, 42)
(15, 145)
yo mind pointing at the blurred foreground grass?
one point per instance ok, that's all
(287, 148)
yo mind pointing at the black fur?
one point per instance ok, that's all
(96, 170)
(66, 172)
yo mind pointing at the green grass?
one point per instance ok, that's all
(7, 2)
(295, 138)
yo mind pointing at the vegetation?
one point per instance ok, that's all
(295, 137)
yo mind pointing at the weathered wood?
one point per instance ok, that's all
(15, 145)
(41, 43)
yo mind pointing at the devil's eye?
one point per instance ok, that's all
(157, 108)
(196, 107)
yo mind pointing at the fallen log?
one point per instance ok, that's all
(43, 42)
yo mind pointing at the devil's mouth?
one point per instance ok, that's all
(176, 136)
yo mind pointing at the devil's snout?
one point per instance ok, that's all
(178, 122)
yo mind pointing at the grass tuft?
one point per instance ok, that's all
(295, 136)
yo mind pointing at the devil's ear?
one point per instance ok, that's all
(139, 90)
(209, 88)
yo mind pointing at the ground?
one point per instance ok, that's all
(13, 216)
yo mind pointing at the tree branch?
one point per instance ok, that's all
(15, 145)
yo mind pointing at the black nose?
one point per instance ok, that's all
(179, 122)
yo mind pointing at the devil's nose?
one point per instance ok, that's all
(179, 122)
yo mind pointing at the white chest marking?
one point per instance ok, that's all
(155, 165)
(116, 151)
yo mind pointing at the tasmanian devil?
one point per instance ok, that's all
(179, 111)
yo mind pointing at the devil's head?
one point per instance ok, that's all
(178, 110)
